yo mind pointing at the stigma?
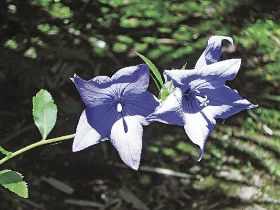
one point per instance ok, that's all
(203, 100)
(119, 107)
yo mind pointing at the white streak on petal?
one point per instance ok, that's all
(198, 127)
(85, 135)
(128, 142)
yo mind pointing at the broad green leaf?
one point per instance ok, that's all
(13, 181)
(157, 76)
(44, 112)
(5, 152)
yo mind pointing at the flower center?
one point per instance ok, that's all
(119, 107)
(199, 97)
(203, 100)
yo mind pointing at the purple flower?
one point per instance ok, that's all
(116, 108)
(212, 53)
(200, 96)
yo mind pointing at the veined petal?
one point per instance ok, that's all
(133, 79)
(210, 76)
(170, 110)
(224, 102)
(197, 125)
(212, 53)
(85, 135)
(198, 128)
(128, 141)
(141, 104)
(94, 92)
(102, 117)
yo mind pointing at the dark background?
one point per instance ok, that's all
(44, 42)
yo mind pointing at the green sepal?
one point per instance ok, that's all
(165, 90)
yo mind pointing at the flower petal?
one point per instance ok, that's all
(197, 125)
(224, 102)
(212, 53)
(95, 91)
(128, 140)
(134, 79)
(170, 111)
(102, 117)
(210, 76)
(198, 128)
(141, 104)
(85, 135)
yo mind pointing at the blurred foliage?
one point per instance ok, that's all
(263, 37)
(44, 42)
(68, 36)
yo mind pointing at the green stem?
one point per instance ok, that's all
(37, 144)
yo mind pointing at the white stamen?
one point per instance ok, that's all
(119, 107)
(203, 100)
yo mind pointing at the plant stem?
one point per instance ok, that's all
(37, 144)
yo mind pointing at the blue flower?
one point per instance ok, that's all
(116, 108)
(200, 96)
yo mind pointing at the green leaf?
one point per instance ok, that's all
(165, 90)
(5, 152)
(13, 181)
(157, 76)
(155, 80)
(44, 112)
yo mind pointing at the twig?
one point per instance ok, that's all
(37, 144)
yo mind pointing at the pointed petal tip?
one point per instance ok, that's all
(200, 155)
(144, 67)
(236, 61)
(135, 167)
(78, 147)
(133, 164)
(75, 148)
(253, 106)
(233, 65)
(75, 76)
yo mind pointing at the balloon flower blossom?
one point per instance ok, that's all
(200, 95)
(116, 108)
